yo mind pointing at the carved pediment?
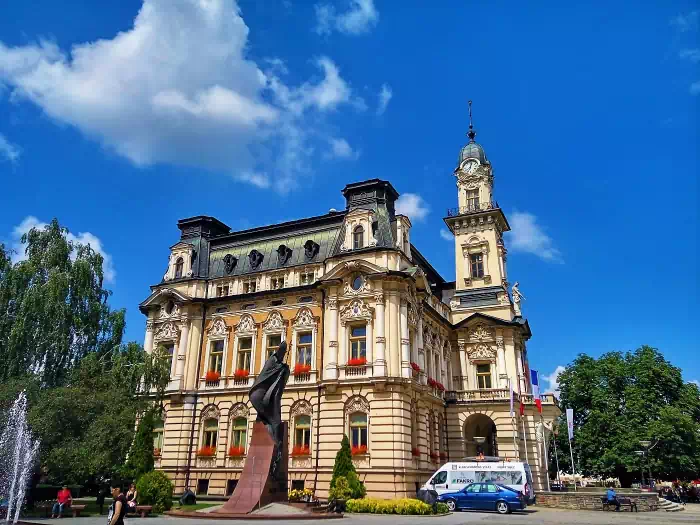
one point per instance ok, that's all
(302, 407)
(356, 309)
(246, 324)
(482, 332)
(356, 404)
(239, 410)
(481, 352)
(274, 322)
(167, 331)
(210, 412)
(218, 328)
(304, 319)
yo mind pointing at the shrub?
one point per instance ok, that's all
(141, 454)
(341, 490)
(155, 488)
(241, 374)
(343, 461)
(442, 508)
(403, 506)
(357, 489)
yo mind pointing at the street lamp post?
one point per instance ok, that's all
(641, 454)
(647, 447)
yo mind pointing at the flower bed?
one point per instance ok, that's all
(357, 361)
(300, 451)
(212, 376)
(241, 374)
(403, 506)
(359, 450)
(236, 452)
(300, 495)
(415, 452)
(301, 369)
(206, 452)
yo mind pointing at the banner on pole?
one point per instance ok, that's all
(570, 422)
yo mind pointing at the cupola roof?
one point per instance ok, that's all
(472, 150)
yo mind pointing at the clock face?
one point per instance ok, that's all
(470, 166)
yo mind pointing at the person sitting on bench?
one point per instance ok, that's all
(612, 499)
(63, 500)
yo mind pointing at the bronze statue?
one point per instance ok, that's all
(266, 396)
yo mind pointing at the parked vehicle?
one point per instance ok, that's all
(485, 496)
(454, 476)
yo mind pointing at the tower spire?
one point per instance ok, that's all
(471, 134)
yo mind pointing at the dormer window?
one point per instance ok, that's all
(179, 265)
(358, 238)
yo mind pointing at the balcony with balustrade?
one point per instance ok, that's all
(473, 207)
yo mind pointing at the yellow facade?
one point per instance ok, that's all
(417, 369)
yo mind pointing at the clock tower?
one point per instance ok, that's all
(478, 225)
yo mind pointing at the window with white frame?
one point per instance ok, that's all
(216, 356)
(245, 350)
(476, 263)
(273, 344)
(472, 200)
(169, 348)
(358, 341)
(483, 375)
(158, 431)
(239, 433)
(358, 238)
(307, 277)
(302, 431)
(358, 429)
(211, 432)
(179, 266)
(304, 348)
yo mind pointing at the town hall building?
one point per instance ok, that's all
(415, 369)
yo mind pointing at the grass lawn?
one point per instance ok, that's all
(196, 506)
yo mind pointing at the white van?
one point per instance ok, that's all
(454, 476)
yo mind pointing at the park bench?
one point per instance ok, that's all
(144, 510)
(76, 510)
(624, 502)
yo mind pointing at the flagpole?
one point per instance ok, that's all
(527, 460)
(546, 452)
(556, 457)
(573, 467)
(516, 449)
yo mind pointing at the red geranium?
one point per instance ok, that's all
(206, 452)
(357, 361)
(432, 382)
(301, 369)
(440, 386)
(415, 367)
(236, 451)
(415, 451)
(359, 450)
(434, 456)
(241, 374)
(212, 376)
(301, 450)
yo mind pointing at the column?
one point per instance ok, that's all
(405, 350)
(461, 357)
(331, 370)
(521, 374)
(501, 360)
(369, 349)
(148, 341)
(380, 359)
(182, 349)
(486, 261)
(421, 351)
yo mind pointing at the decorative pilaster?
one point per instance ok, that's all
(405, 348)
(379, 358)
(421, 351)
(501, 359)
(331, 370)
(182, 348)
(148, 341)
(462, 352)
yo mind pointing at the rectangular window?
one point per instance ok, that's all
(483, 376)
(249, 286)
(211, 433)
(276, 283)
(240, 428)
(302, 431)
(476, 261)
(170, 352)
(273, 344)
(202, 486)
(358, 429)
(216, 356)
(358, 342)
(473, 200)
(245, 348)
(304, 348)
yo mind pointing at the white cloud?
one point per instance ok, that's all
(360, 18)
(95, 243)
(553, 380)
(446, 235)
(695, 382)
(340, 149)
(528, 237)
(8, 151)
(690, 54)
(685, 22)
(695, 88)
(178, 88)
(384, 98)
(413, 206)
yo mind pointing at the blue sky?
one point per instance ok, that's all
(121, 118)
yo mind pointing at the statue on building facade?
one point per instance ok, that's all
(517, 298)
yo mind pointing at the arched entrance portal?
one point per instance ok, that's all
(480, 436)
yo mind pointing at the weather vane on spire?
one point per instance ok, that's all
(471, 133)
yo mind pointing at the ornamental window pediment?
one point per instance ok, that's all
(481, 352)
(482, 332)
(246, 325)
(218, 329)
(304, 319)
(167, 332)
(274, 323)
(356, 309)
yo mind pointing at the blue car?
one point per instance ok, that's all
(485, 496)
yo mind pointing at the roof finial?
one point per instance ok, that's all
(471, 133)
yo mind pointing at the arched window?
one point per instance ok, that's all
(179, 265)
(211, 432)
(158, 429)
(302, 433)
(358, 430)
(239, 435)
(358, 238)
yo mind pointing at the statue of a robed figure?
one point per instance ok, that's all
(264, 476)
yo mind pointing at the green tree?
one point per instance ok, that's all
(343, 461)
(140, 458)
(156, 489)
(622, 399)
(53, 307)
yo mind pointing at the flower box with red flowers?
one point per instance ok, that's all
(443, 455)
(415, 452)
(359, 450)
(432, 382)
(357, 361)
(236, 452)
(206, 452)
(300, 450)
(212, 376)
(156, 452)
(434, 456)
(301, 369)
(415, 367)
(440, 386)
(241, 374)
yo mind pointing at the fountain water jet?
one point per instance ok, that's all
(19, 451)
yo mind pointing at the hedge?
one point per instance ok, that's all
(404, 506)
(156, 489)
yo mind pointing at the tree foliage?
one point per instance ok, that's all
(343, 461)
(156, 489)
(621, 399)
(140, 460)
(53, 307)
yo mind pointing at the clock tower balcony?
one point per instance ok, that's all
(472, 208)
